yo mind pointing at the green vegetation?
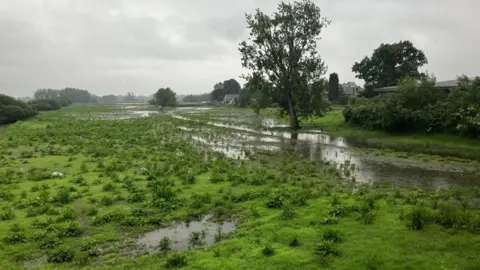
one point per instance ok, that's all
(67, 95)
(388, 65)
(286, 68)
(13, 110)
(221, 89)
(164, 97)
(122, 178)
(419, 106)
(421, 143)
(49, 104)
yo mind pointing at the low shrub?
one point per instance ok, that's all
(268, 250)
(60, 256)
(7, 213)
(333, 236)
(275, 202)
(165, 244)
(176, 261)
(288, 213)
(417, 218)
(326, 248)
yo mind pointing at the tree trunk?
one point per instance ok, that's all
(291, 111)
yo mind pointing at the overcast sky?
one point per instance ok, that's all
(119, 46)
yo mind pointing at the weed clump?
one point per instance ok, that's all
(288, 213)
(176, 261)
(7, 213)
(333, 236)
(326, 248)
(60, 256)
(294, 242)
(417, 218)
(329, 221)
(268, 250)
(165, 244)
(275, 202)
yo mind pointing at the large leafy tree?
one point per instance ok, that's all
(165, 97)
(282, 55)
(390, 63)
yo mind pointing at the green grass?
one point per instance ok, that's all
(114, 168)
(444, 145)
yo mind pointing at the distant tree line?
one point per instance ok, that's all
(197, 98)
(72, 94)
(49, 104)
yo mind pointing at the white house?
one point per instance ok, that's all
(231, 99)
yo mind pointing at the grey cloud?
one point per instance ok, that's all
(115, 46)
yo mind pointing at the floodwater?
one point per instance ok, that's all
(181, 235)
(358, 166)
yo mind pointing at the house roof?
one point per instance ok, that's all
(442, 84)
(231, 97)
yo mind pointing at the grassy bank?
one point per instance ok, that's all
(123, 178)
(431, 144)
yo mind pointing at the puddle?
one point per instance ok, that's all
(316, 145)
(181, 235)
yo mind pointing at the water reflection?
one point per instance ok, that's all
(336, 150)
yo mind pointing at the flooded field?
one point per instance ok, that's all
(234, 134)
(184, 236)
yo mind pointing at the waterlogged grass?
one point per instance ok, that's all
(123, 178)
(417, 143)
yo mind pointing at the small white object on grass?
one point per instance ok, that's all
(57, 174)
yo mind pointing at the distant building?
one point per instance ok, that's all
(443, 85)
(231, 99)
(351, 89)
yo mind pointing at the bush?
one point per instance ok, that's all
(60, 256)
(275, 202)
(50, 242)
(176, 261)
(333, 236)
(419, 106)
(72, 230)
(12, 110)
(63, 196)
(15, 238)
(165, 244)
(7, 213)
(329, 221)
(294, 243)
(268, 251)
(326, 248)
(417, 218)
(288, 213)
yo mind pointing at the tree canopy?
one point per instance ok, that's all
(12, 110)
(165, 97)
(73, 95)
(390, 63)
(282, 55)
(221, 89)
